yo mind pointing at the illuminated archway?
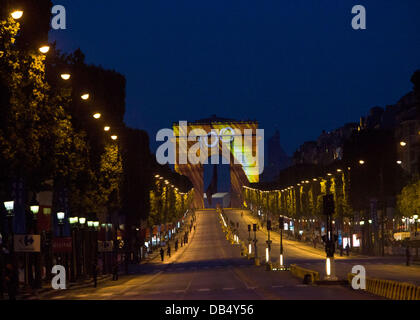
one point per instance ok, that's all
(242, 170)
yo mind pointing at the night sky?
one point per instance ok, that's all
(292, 64)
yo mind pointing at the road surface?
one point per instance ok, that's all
(207, 268)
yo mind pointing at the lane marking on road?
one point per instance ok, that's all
(203, 290)
(179, 291)
(228, 289)
(155, 292)
(106, 294)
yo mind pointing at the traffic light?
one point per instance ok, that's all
(254, 227)
(268, 224)
(249, 228)
(328, 204)
(281, 222)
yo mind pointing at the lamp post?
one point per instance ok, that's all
(82, 222)
(60, 218)
(9, 205)
(73, 225)
(249, 240)
(281, 227)
(35, 210)
(254, 227)
(268, 249)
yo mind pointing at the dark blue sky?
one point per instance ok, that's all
(292, 64)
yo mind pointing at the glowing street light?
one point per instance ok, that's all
(403, 143)
(34, 209)
(85, 96)
(65, 76)
(114, 137)
(362, 162)
(399, 162)
(44, 49)
(82, 220)
(97, 115)
(17, 14)
(106, 129)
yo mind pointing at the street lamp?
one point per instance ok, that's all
(35, 210)
(107, 128)
(17, 14)
(85, 96)
(65, 76)
(82, 221)
(97, 115)
(114, 137)
(60, 218)
(361, 162)
(403, 143)
(44, 49)
(9, 205)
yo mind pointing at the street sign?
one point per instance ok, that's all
(62, 245)
(27, 243)
(105, 246)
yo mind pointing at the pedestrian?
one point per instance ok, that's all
(11, 279)
(115, 272)
(162, 254)
(95, 270)
(176, 245)
(347, 249)
(407, 254)
(169, 250)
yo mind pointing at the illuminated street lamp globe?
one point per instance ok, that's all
(403, 143)
(114, 137)
(97, 115)
(44, 49)
(107, 128)
(82, 220)
(60, 217)
(65, 76)
(17, 14)
(85, 96)
(35, 209)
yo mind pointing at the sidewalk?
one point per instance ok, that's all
(28, 293)
(154, 258)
